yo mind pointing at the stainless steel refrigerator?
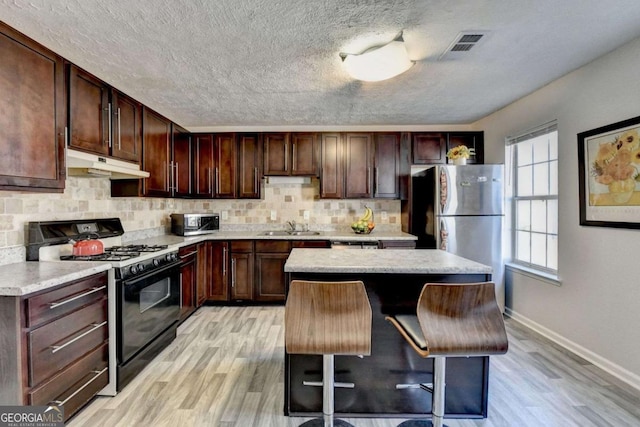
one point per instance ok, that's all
(460, 209)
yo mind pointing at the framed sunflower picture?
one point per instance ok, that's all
(609, 167)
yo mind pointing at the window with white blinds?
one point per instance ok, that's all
(534, 168)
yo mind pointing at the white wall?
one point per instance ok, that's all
(596, 310)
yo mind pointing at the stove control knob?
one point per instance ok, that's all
(133, 269)
(171, 257)
(156, 262)
(140, 267)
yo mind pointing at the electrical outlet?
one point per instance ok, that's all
(274, 215)
(384, 216)
(225, 215)
(305, 215)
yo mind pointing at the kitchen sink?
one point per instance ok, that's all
(289, 233)
(276, 233)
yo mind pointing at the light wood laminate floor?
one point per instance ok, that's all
(226, 369)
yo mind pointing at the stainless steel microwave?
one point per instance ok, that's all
(187, 224)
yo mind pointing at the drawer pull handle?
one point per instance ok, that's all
(84, 294)
(97, 374)
(96, 326)
(188, 255)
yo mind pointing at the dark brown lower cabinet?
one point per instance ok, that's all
(188, 277)
(218, 268)
(55, 345)
(241, 280)
(203, 272)
(271, 256)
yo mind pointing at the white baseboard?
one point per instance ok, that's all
(606, 365)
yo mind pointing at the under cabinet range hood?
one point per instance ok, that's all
(80, 163)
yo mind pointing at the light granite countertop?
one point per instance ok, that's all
(398, 261)
(27, 277)
(179, 241)
(23, 278)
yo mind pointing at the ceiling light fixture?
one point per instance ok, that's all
(379, 62)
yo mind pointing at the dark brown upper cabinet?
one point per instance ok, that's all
(331, 169)
(429, 148)
(387, 168)
(126, 127)
(156, 155)
(249, 166)
(473, 140)
(358, 165)
(33, 118)
(182, 164)
(101, 119)
(290, 154)
(215, 165)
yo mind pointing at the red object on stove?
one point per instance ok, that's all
(88, 247)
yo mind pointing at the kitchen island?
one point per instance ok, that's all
(393, 280)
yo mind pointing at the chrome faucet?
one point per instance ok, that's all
(292, 225)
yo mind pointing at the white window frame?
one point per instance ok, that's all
(534, 268)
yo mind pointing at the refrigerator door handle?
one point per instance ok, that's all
(444, 189)
(444, 234)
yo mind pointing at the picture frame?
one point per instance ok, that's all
(609, 173)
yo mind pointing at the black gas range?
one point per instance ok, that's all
(144, 286)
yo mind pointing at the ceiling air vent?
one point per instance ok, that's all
(463, 42)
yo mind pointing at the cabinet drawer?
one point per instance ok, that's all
(311, 244)
(242, 246)
(82, 392)
(54, 345)
(62, 382)
(51, 305)
(276, 246)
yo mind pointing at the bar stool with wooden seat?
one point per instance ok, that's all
(452, 320)
(328, 318)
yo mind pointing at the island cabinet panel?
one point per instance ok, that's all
(358, 165)
(60, 356)
(33, 118)
(391, 362)
(331, 169)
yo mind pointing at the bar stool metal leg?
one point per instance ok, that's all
(437, 398)
(328, 390)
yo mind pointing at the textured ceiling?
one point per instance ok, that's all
(240, 63)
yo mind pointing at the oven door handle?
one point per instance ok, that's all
(133, 281)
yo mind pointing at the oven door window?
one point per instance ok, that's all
(155, 294)
(147, 306)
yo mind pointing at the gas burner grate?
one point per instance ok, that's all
(101, 257)
(136, 248)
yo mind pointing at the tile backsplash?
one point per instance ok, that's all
(91, 198)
